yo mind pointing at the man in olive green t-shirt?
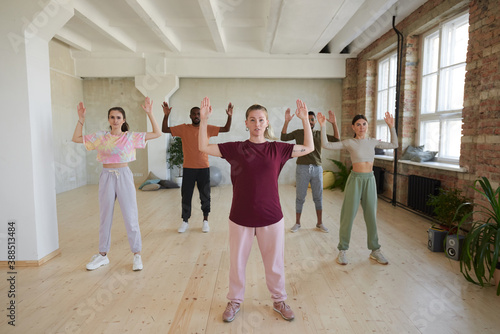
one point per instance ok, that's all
(309, 169)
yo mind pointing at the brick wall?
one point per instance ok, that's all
(480, 147)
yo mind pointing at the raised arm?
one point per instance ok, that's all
(324, 141)
(229, 112)
(148, 108)
(166, 110)
(308, 147)
(333, 120)
(203, 145)
(78, 135)
(288, 117)
(389, 120)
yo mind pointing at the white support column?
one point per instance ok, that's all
(159, 88)
(27, 174)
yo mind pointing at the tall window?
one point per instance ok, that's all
(442, 93)
(386, 95)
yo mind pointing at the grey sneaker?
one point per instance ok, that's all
(205, 227)
(231, 309)
(342, 258)
(378, 256)
(285, 310)
(295, 228)
(137, 262)
(183, 228)
(322, 228)
(97, 261)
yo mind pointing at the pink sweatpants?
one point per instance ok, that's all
(271, 240)
(118, 183)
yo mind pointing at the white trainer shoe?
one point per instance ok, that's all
(137, 262)
(97, 261)
(342, 258)
(205, 227)
(378, 256)
(295, 228)
(183, 228)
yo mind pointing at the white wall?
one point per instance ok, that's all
(27, 173)
(66, 93)
(276, 95)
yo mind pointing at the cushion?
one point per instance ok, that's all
(423, 156)
(168, 184)
(412, 151)
(154, 181)
(151, 186)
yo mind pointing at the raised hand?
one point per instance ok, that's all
(389, 120)
(288, 116)
(81, 111)
(166, 108)
(229, 110)
(148, 105)
(321, 119)
(301, 111)
(205, 108)
(331, 117)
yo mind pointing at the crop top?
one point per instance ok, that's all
(361, 150)
(115, 149)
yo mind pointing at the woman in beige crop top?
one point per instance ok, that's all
(361, 147)
(360, 186)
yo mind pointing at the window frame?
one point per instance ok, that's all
(441, 116)
(379, 121)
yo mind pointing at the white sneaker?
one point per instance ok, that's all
(137, 262)
(205, 227)
(183, 228)
(295, 228)
(97, 261)
(342, 258)
(377, 256)
(322, 228)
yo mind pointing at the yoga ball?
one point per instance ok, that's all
(328, 179)
(215, 176)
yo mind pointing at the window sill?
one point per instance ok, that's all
(436, 165)
(384, 157)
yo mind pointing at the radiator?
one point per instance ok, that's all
(419, 189)
(378, 172)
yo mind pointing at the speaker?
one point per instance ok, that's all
(436, 239)
(454, 246)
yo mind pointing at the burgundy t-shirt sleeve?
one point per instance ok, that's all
(285, 150)
(226, 149)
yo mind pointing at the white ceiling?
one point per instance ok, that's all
(228, 28)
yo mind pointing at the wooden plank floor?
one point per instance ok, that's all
(183, 286)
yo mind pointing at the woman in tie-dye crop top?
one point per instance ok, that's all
(115, 149)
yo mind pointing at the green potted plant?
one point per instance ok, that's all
(340, 176)
(481, 247)
(448, 210)
(175, 157)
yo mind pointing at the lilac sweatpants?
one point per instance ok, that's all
(118, 183)
(271, 240)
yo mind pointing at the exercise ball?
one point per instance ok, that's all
(328, 179)
(215, 176)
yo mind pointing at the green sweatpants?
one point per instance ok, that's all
(359, 187)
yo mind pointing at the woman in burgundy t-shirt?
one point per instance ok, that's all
(255, 210)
